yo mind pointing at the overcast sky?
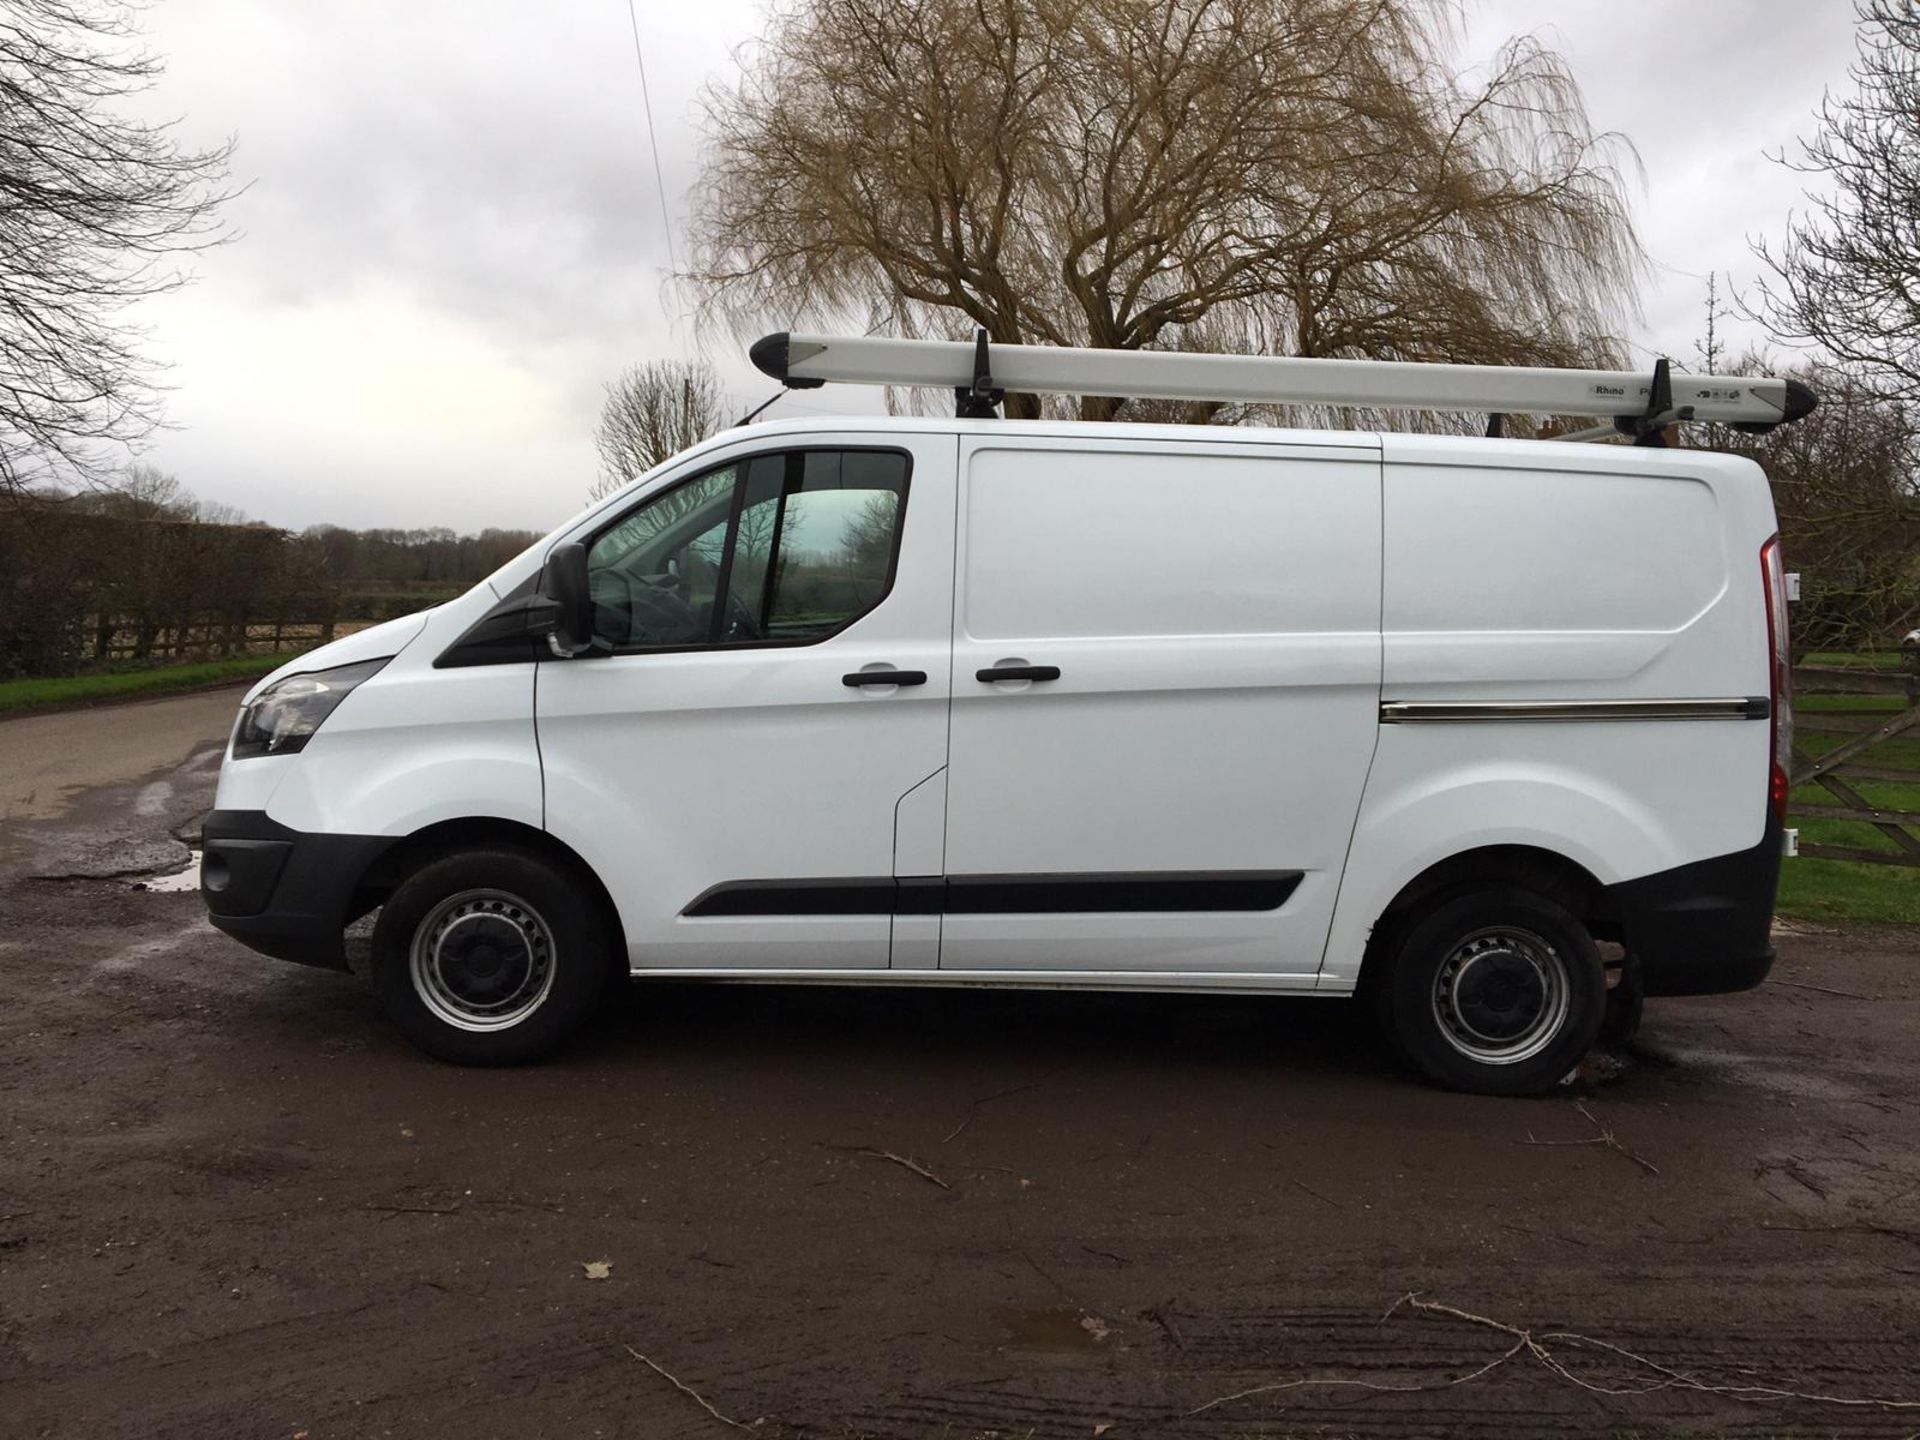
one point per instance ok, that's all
(452, 237)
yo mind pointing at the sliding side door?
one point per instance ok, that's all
(1166, 684)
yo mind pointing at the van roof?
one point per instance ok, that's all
(1404, 447)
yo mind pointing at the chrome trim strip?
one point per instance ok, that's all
(1406, 712)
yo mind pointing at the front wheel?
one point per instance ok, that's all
(1499, 992)
(490, 957)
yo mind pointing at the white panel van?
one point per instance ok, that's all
(960, 702)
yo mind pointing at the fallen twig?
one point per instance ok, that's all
(1302, 1185)
(1557, 1239)
(1662, 1377)
(1606, 1137)
(914, 1166)
(685, 1389)
(1796, 1172)
(513, 1204)
(1852, 1227)
(974, 1108)
(415, 1209)
(1342, 1384)
(1825, 990)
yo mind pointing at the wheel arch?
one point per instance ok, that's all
(1547, 872)
(448, 837)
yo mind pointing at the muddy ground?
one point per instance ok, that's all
(233, 1203)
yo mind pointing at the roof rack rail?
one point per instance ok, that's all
(1638, 406)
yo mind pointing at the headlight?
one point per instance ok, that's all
(284, 716)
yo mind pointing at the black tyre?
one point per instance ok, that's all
(1499, 991)
(491, 956)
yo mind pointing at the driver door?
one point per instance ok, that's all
(730, 755)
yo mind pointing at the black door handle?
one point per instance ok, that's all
(1017, 672)
(884, 677)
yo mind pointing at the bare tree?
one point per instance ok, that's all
(652, 413)
(96, 211)
(1846, 484)
(146, 492)
(1298, 176)
(1847, 275)
(218, 512)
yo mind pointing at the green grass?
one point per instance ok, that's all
(17, 696)
(1854, 659)
(1847, 704)
(1841, 890)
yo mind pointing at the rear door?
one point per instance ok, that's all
(1165, 696)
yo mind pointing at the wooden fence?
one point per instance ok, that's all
(130, 637)
(1835, 748)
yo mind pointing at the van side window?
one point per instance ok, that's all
(786, 548)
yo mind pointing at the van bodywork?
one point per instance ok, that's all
(1302, 676)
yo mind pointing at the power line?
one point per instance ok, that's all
(653, 138)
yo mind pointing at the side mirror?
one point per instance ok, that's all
(564, 582)
(555, 614)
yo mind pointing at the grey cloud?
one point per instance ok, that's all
(491, 161)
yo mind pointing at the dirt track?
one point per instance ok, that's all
(233, 1203)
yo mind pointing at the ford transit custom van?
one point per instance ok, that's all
(1492, 733)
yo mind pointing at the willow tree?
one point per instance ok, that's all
(1294, 176)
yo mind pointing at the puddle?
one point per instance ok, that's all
(187, 879)
(1052, 1328)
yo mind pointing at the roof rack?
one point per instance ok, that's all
(1638, 406)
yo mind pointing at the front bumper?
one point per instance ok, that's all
(1704, 928)
(283, 892)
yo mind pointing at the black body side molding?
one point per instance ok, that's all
(1148, 891)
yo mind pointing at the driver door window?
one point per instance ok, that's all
(786, 548)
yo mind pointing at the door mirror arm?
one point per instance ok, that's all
(566, 612)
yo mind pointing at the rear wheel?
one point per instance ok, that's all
(490, 957)
(1499, 991)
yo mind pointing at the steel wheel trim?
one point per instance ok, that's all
(1502, 995)
(482, 960)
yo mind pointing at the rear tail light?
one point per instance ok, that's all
(1779, 677)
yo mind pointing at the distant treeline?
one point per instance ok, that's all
(93, 580)
(437, 557)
